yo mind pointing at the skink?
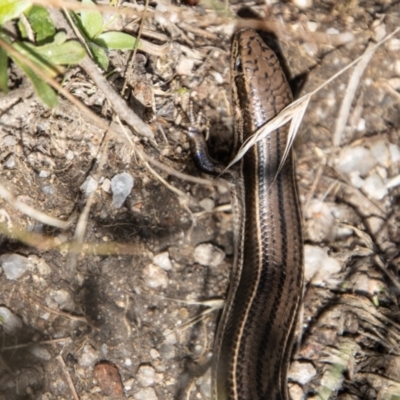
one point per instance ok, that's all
(255, 334)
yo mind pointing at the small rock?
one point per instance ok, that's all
(154, 353)
(381, 152)
(109, 379)
(320, 223)
(63, 299)
(185, 66)
(48, 190)
(357, 159)
(14, 265)
(303, 3)
(89, 186)
(207, 204)
(88, 357)
(41, 265)
(167, 351)
(128, 362)
(163, 261)
(9, 321)
(10, 162)
(374, 187)
(40, 352)
(121, 186)
(9, 141)
(145, 375)
(155, 277)
(106, 185)
(145, 394)
(301, 372)
(205, 385)
(296, 392)
(208, 255)
(393, 44)
(104, 350)
(394, 151)
(170, 336)
(128, 384)
(319, 267)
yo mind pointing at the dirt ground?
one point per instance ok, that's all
(120, 315)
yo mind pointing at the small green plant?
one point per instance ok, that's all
(48, 50)
(92, 26)
(40, 44)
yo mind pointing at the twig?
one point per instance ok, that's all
(67, 376)
(80, 228)
(348, 98)
(31, 212)
(23, 345)
(130, 65)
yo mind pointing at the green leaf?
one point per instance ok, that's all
(22, 29)
(50, 56)
(60, 52)
(41, 23)
(3, 71)
(10, 9)
(116, 41)
(92, 21)
(43, 90)
(30, 52)
(99, 55)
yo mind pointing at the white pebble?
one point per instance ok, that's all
(374, 187)
(128, 362)
(163, 261)
(9, 321)
(10, 162)
(41, 265)
(128, 384)
(396, 67)
(381, 152)
(145, 394)
(207, 204)
(393, 44)
(357, 159)
(185, 66)
(154, 353)
(145, 375)
(301, 372)
(312, 26)
(89, 186)
(319, 266)
(9, 141)
(14, 265)
(89, 356)
(121, 186)
(106, 185)
(40, 352)
(208, 255)
(303, 3)
(332, 31)
(296, 392)
(394, 153)
(63, 298)
(155, 277)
